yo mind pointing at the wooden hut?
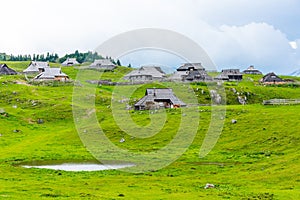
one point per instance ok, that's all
(52, 74)
(103, 64)
(146, 73)
(191, 72)
(272, 78)
(156, 98)
(5, 70)
(36, 67)
(252, 70)
(70, 62)
(190, 66)
(230, 75)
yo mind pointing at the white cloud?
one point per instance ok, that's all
(233, 32)
(294, 45)
(257, 44)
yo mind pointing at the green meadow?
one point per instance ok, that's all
(255, 158)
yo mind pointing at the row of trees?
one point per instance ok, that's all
(37, 57)
(80, 57)
(87, 57)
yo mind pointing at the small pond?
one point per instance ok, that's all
(76, 166)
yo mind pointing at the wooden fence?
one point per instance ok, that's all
(281, 102)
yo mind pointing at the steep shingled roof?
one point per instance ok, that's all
(188, 66)
(70, 62)
(159, 94)
(5, 70)
(230, 74)
(251, 70)
(191, 72)
(36, 66)
(51, 73)
(271, 78)
(151, 71)
(103, 64)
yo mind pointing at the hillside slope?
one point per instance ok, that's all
(255, 158)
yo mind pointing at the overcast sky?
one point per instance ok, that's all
(234, 33)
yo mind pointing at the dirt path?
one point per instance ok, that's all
(22, 83)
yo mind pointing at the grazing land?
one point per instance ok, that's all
(255, 158)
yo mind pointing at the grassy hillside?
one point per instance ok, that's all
(255, 158)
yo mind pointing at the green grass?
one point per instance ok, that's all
(258, 156)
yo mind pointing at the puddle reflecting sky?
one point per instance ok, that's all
(76, 167)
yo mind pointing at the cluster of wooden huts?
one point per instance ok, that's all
(195, 72)
(154, 98)
(43, 72)
(187, 72)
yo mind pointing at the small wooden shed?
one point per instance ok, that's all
(103, 64)
(36, 67)
(146, 73)
(51, 74)
(252, 70)
(230, 75)
(70, 62)
(272, 78)
(5, 70)
(156, 98)
(191, 72)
